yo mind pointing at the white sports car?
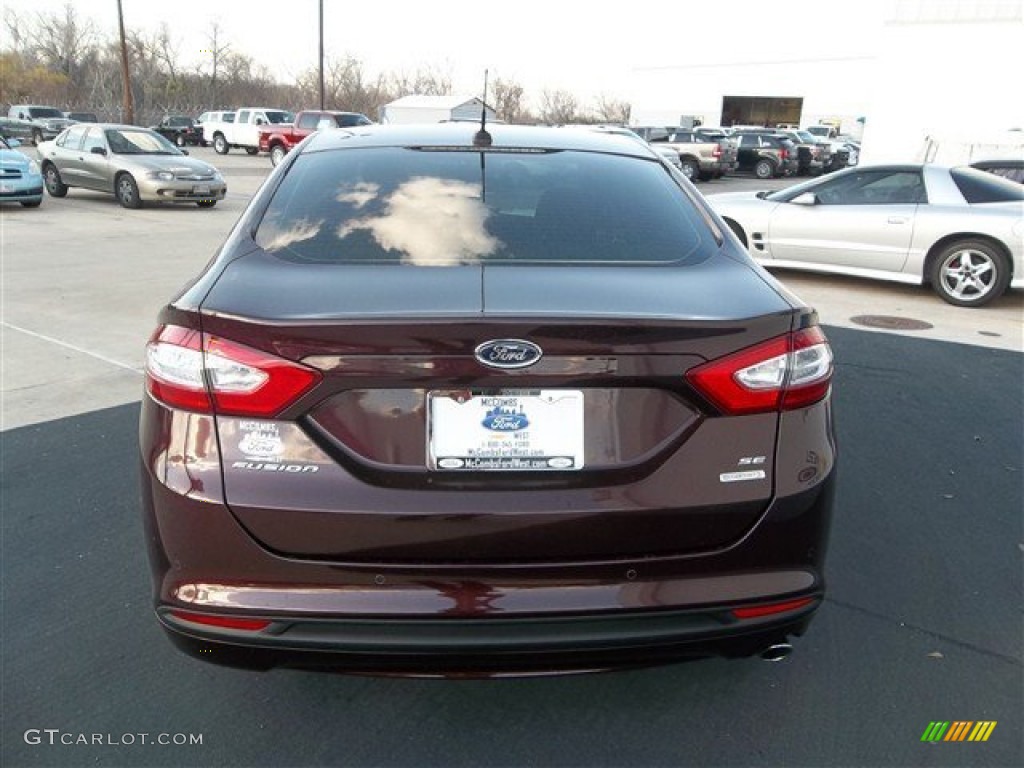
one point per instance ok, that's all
(958, 229)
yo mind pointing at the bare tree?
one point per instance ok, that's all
(558, 107)
(427, 80)
(507, 100)
(609, 110)
(217, 51)
(60, 41)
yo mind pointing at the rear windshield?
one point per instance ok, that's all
(278, 117)
(980, 187)
(44, 112)
(448, 207)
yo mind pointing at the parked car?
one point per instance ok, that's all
(181, 130)
(1007, 168)
(400, 424)
(47, 122)
(812, 155)
(278, 139)
(243, 130)
(82, 117)
(703, 158)
(134, 164)
(20, 179)
(652, 133)
(766, 155)
(13, 128)
(956, 229)
(822, 131)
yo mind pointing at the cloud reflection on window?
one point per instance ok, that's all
(431, 222)
(358, 194)
(272, 238)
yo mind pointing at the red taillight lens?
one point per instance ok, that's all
(198, 372)
(716, 152)
(780, 374)
(756, 611)
(226, 622)
(783, 153)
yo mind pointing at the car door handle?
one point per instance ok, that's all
(898, 219)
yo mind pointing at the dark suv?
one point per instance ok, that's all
(767, 155)
(813, 154)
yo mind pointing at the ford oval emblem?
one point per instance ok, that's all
(505, 418)
(508, 353)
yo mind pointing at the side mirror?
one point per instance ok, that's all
(259, 121)
(184, 151)
(805, 198)
(99, 151)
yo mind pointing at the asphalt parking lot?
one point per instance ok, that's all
(922, 622)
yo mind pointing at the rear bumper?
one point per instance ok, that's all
(487, 647)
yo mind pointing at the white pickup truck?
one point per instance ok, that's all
(244, 131)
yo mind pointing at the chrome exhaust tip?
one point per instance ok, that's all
(776, 652)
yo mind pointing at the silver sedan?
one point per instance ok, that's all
(135, 164)
(957, 229)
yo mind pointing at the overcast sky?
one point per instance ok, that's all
(589, 48)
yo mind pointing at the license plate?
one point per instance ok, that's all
(201, 189)
(511, 430)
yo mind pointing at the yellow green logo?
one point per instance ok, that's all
(959, 730)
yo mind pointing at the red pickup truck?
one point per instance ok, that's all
(279, 139)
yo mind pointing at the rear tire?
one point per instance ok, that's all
(55, 186)
(220, 145)
(764, 169)
(970, 273)
(37, 136)
(277, 154)
(127, 191)
(689, 168)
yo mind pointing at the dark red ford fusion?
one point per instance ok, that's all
(515, 403)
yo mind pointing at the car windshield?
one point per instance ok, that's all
(278, 117)
(125, 141)
(805, 136)
(185, 122)
(44, 112)
(451, 206)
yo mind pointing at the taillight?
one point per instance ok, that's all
(198, 372)
(783, 153)
(780, 374)
(716, 152)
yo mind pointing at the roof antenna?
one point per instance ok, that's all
(482, 137)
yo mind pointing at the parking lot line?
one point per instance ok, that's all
(73, 347)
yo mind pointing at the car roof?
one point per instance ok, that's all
(461, 135)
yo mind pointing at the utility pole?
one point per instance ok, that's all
(128, 102)
(322, 107)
